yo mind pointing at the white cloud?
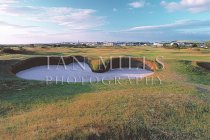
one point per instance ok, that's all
(180, 30)
(30, 24)
(137, 4)
(193, 6)
(66, 16)
(9, 29)
(181, 24)
(8, 1)
(6, 24)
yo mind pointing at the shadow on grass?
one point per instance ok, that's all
(27, 94)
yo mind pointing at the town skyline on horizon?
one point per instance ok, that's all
(84, 42)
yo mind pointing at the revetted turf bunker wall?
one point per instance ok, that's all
(205, 65)
(113, 63)
(126, 62)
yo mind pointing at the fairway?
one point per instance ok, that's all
(173, 103)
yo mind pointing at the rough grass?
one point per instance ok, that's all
(179, 108)
(131, 112)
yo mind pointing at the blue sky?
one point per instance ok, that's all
(48, 21)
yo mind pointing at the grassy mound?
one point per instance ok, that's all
(146, 112)
(13, 51)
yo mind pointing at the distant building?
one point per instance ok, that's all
(108, 44)
(157, 44)
(122, 44)
(175, 43)
(184, 43)
(202, 45)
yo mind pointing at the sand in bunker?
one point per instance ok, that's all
(78, 72)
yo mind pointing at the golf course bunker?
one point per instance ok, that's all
(81, 70)
(205, 65)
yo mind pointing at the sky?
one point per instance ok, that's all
(53, 21)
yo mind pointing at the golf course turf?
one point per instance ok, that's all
(177, 108)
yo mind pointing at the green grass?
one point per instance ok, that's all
(194, 73)
(179, 108)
